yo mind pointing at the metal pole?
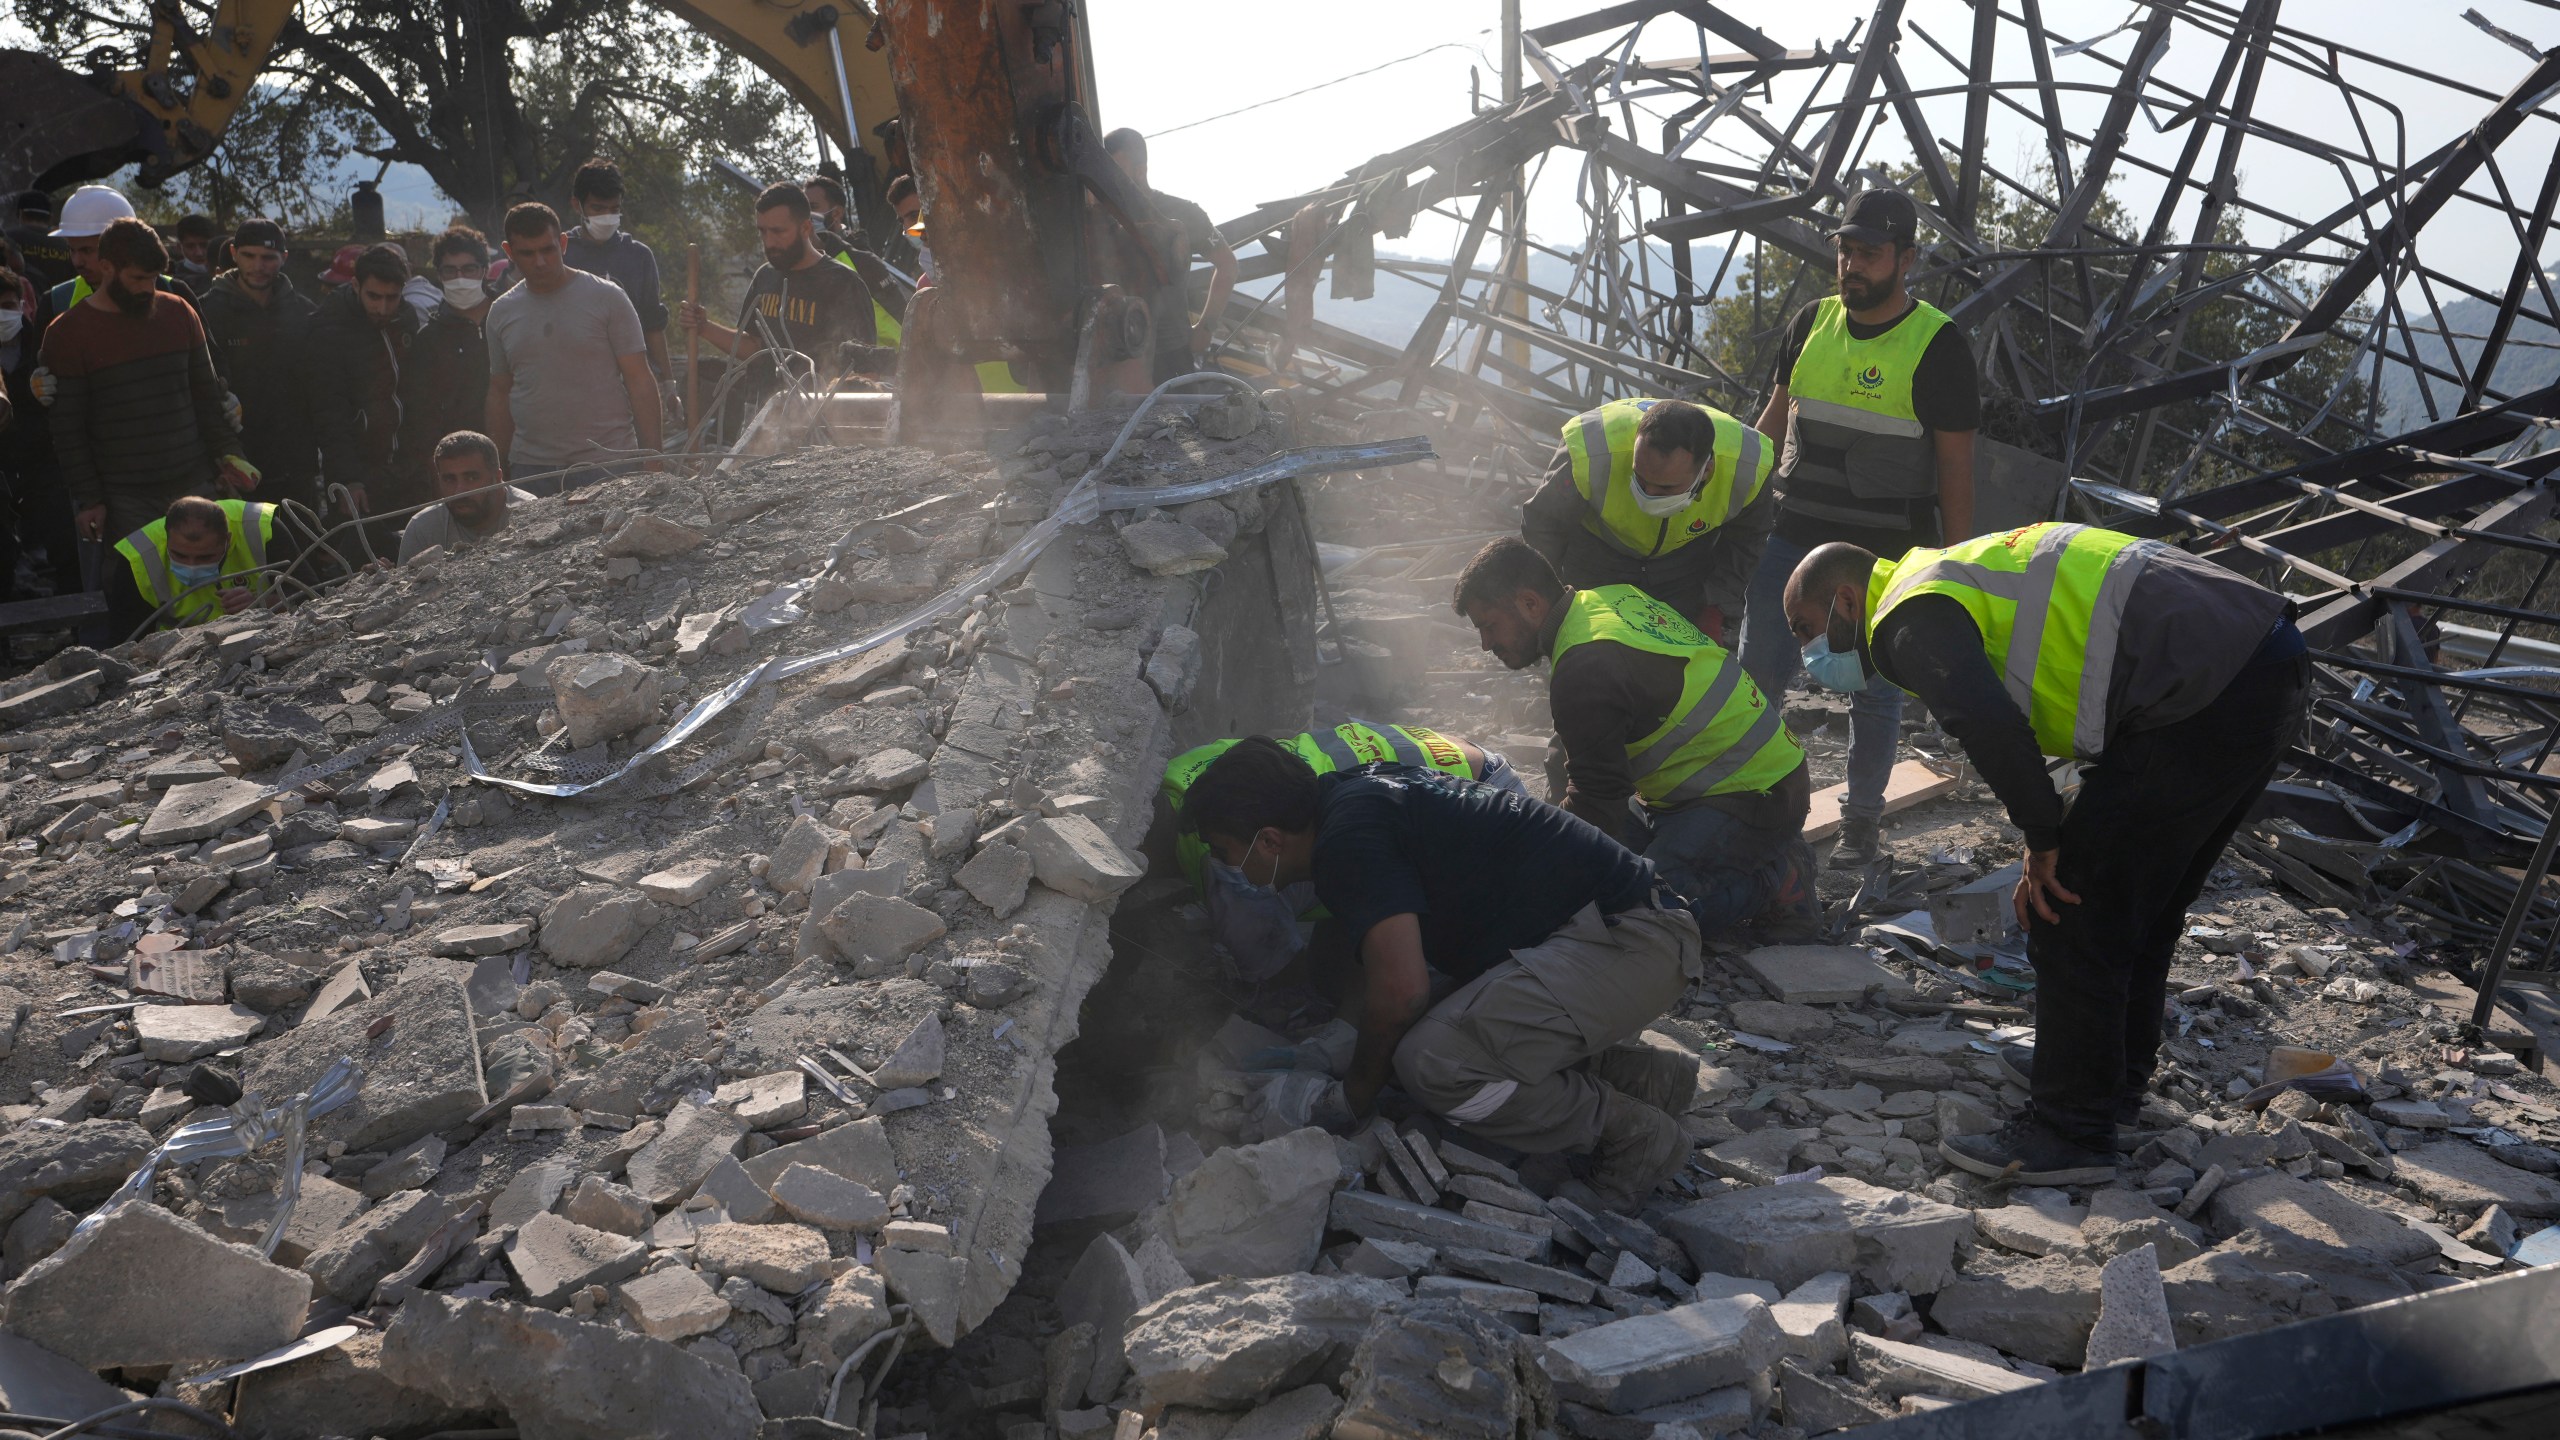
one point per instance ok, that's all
(2526, 889)
(844, 92)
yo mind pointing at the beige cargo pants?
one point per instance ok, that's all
(1501, 1056)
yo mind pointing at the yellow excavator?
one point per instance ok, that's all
(61, 127)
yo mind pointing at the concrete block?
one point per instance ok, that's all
(1821, 974)
(2038, 1310)
(552, 1257)
(1379, 1217)
(107, 1298)
(1650, 1360)
(1787, 1234)
(693, 1139)
(1071, 855)
(2133, 1311)
(1231, 1343)
(565, 1379)
(785, 1259)
(829, 1201)
(673, 1304)
(1254, 1209)
(422, 1075)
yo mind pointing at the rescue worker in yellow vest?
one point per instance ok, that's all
(1652, 711)
(1264, 929)
(1875, 399)
(2176, 682)
(1664, 495)
(183, 565)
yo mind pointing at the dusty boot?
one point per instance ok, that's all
(1640, 1149)
(1651, 1068)
(1857, 847)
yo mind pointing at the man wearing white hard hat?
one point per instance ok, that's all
(85, 217)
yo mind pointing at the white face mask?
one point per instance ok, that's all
(601, 227)
(464, 294)
(1663, 507)
(10, 320)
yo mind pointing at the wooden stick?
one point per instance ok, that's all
(692, 341)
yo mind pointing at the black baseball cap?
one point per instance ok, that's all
(1879, 217)
(258, 232)
(34, 204)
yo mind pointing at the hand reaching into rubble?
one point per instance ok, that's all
(1297, 1099)
(2039, 887)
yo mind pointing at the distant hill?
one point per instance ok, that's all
(2529, 362)
(1391, 315)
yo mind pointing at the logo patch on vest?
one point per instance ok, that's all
(1697, 525)
(1871, 378)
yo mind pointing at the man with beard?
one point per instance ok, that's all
(359, 344)
(798, 301)
(477, 501)
(1874, 399)
(569, 383)
(137, 410)
(259, 324)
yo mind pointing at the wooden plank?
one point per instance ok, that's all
(1911, 783)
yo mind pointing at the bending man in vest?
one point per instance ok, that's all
(1874, 396)
(1564, 945)
(2179, 682)
(1669, 497)
(1264, 929)
(203, 559)
(1651, 710)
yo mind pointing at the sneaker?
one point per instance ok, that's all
(1857, 847)
(1640, 1149)
(2026, 1153)
(1652, 1069)
(2018, 1062)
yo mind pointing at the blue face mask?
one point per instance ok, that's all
(190, 576)
(1839, 670)
(1257, 924)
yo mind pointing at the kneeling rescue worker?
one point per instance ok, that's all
(1264, 929)
(2178, 681)
(177, 565)
(1563, 945)
(1648, 707)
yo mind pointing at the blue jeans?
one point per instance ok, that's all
(1730, 872)
(1772, 657)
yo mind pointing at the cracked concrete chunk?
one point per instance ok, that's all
(1648, 1360)
(673, 1304)
(858, 1150)
(104, 1299)
(564, 1379)
(553, 1256)
(785, 1259)
(929, 1284)
(1071, 855)
(693, 1139)
(535, 1189)
(201, 811)
(998, 877)
(601, 697)
(800, 856)
(2133, 1311)
(1253, 1210)
(1169, 547)
(895, 768)
(1787, 1234)
(736, 1192)
(600, 1204)
(829, 1201)
(1437, 1369)
(1232, 1343)
(764, 1101)
(879, 930)
(352, 1261)
(595, 925)
(918, 1058)
(852, 1309)
(421, 1075)
(2039, 1310)
(175, 1033)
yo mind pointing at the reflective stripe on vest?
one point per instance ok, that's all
(2050, 601)
(1602, 446)
(1722, 737)
(1856, 450)
(252, 527)
(1344, 747)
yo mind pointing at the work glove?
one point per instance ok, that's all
(42, 382)
(1296, 1100)
(231, 409)
(240, 472)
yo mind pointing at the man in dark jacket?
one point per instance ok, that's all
(260, 325)
(445, 386)
(360, 341)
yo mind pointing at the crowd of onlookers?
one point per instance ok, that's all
(166, 389)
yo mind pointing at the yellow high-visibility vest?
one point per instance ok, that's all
(1723, 736)
(1602, 444)
(1344, 747)
(1856, 450)
(253, 525)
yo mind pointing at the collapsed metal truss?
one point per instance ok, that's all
(2217, 369)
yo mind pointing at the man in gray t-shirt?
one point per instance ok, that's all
(569, 378)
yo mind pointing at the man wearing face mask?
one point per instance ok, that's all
(2176, 682)
(1564, 945)
(444, 389)
(1874, 396)
(600, 246)
(1670, 497)
(137, 410)
(1263, 929)
(260, 324)
(1650, 710)
(359, 346)
(203, 560)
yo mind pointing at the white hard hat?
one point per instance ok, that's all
(90, 210)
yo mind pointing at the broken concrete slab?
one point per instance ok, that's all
(174, 1034)
(829, 1201)
(602, 696)
(1787, 1234)
(2317, 1214)
(200, 811)
(1760, 1157)
(342, 1391)
(2040, 1309)
(1648, 1360)
(104, 1298)
(322, 1209)
(600, 1204)
(467, 940)
(564, 1379)
(998, 877)
(1817, 1403)
(929, 1284)
(1436, 1369)
(858, 1150)
(1232, 1343)
(2458, 1175)
(1071, 855)
(853, 1308)
(553, 1256)
(81, 1161)
(1778, 1020)
(875, 932)
(1103, 1290)
(595, 925)
(421, 1075)
(918, 1058)
(764, 1101)
(535, 1189)
(1812, 1318)
(354, 1260)
(786, 1259)
(2230, 1291)
(1382, 1217)
(2030, 1229)
(683, 883)
(692, 1140)
(1821, 974)
(673, 1304)
(1254, 1210)
(2123, 1220)
(2133, 1311)
(736, 1193)
(1894, 1369)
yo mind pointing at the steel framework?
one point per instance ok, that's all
(2340, 383)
